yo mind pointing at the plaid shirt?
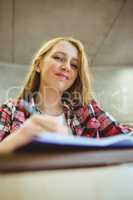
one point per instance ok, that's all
(89, 121)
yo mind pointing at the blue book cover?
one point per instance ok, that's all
(53, 142)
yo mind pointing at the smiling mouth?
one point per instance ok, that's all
(62, 77)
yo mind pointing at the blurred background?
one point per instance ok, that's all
(104, 26)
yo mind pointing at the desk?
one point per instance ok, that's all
(95, 175)
(104, 183)
(64, 160)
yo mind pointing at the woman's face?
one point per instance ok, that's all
(59, 67)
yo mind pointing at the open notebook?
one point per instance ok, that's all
(52, 142)
(52, 151)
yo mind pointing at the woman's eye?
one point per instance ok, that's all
(58, 58)
(74, 65)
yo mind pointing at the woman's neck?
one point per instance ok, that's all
(49, 101)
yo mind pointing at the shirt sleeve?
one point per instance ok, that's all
(5, 120)
(109, 126)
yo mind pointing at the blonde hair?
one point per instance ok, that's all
(82, 84)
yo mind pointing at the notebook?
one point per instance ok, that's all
(53, 142)
(52, 151)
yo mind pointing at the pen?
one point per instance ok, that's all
(28, 107)
(32, 111)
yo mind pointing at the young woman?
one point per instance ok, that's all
(58, 88)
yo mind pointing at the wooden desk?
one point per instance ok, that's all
(95, 175)
(64, 160)
(103, 183)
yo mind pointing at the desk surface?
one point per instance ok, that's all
(104, 183)
(73, 182)
(64, 160)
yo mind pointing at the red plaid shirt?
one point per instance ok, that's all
(89, 121)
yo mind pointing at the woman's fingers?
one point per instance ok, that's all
(39, 124)
(34, 126)
(46, 122)
(49, 123)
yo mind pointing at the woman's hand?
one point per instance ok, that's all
(37, 124)
(34, 126)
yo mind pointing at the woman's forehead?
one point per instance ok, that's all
(66, 48)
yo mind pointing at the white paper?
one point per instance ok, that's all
(59, 139)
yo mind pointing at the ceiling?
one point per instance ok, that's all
(104, 26)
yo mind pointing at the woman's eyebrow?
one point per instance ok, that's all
(76, 59)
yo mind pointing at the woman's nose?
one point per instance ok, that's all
(66, 66)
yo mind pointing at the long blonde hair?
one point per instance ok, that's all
(82, 84)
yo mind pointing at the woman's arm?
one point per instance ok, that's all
(12, 141)
(33, 126)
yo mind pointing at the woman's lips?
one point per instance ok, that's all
(62, 76)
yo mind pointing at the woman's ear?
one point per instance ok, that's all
(37, 68)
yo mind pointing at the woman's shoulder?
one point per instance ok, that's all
(9, 106)
(10, 103)
(7, 110)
